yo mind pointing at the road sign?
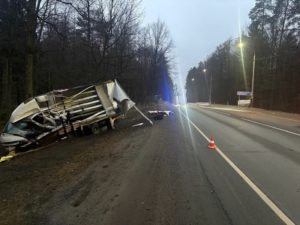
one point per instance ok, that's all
(244, 93)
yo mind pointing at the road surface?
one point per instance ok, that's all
(165, 174)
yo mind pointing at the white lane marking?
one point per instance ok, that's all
(256, 189)
(283, 118)
(253, 111)
(276, 128)
(263, 124)
(218, 111)
(227, 114)
(223, 113)
(224, 109)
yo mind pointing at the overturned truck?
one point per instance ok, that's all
(60, 112)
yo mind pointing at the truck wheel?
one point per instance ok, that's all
(95, 129)
(87, 130)
(108, 124)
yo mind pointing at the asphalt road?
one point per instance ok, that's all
(269, 157)
(176, 179)
(165, 174)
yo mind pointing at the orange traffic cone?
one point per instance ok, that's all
(212, 144)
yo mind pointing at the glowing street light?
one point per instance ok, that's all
(204, 70)
(241, 46)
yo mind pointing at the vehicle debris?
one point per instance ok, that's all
(7, 157)
(137, 109)
(60, 113)
(159, 114)
(138, 125)
(165, 112)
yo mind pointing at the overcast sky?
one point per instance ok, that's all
(198, 26)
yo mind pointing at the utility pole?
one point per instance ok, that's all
(210, 84)
(210, 87)
(253, 78)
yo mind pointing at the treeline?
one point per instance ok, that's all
(274, 38)
(51, 44)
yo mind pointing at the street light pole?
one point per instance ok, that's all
(210, 85)
(241, 45)
(253, 77)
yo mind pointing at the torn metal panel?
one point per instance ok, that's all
(24, 110)
(64, 111)
(120, 95)
(106, 101)
(137, 109)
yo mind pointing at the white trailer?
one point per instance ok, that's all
(61, 112)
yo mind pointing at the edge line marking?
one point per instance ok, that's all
(275, 128)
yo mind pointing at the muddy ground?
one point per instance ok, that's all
(33, 184)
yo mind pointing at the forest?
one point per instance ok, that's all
(57, 44)
(269, 47)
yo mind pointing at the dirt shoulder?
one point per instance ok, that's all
(29, 182)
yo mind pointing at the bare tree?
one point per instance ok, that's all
(59, 43)
(160, 40)
(161, 46)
